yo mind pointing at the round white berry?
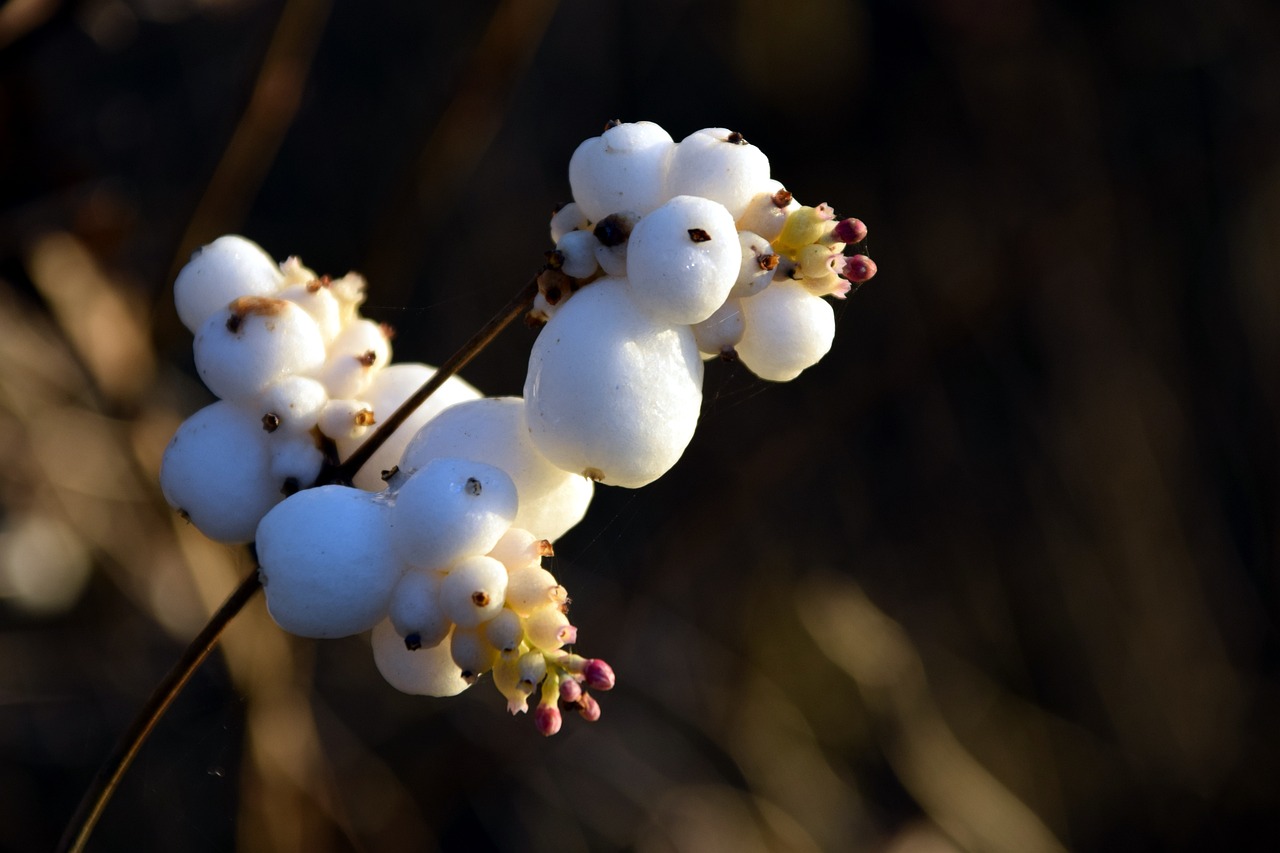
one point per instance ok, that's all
(567, 218)
(356, 355)
(472, 652)
(519, 548)
(428, 671)
(326, 559)
(493, 430)
(579, 251)
(316, 299)
(504, 631)
(787, 329)
(292, 404)
(450, 509)
(227, 268)
(767, 211)
(217, 472)
(346, 421)
(718, 164)
(531, 588)
(683, 259)
(295, 460)
(256, 340)
(415, 608)
(612, 394)
(473, 591)
(622, 169)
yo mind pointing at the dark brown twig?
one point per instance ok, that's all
(104, 784)
(517, 305)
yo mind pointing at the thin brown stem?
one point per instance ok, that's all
(517, 305)
(104, 784)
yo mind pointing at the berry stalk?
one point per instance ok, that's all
(104, 784)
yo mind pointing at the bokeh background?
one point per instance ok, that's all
(999, 574)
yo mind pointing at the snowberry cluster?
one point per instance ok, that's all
(691, 251)
(293, 363)
(669, 254)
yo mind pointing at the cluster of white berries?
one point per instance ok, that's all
(292, 362)
(669, 254)
(691, 251)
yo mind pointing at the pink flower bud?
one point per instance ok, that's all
(859, 268)
(588, 708)
(598, 675)
(547, 719)
(570, 691)
(851, 231)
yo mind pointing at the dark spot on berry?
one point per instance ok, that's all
(367, 358)
(736, 138)
(612, 123)
(271, 422)
(233, 323)
(480, 598)
(387, 475)
(364, 417)
(291, 486)
(413, 641)
(473, 487)
(729, 354)
(594, 474)
(767, 262)
(316, 284)
(781, 198)
(555, 259)
(612, 231)
(698, 235)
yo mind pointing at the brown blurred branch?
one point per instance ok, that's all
(960, 795)
(272, 107)
(464, 131)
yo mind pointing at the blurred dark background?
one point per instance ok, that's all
(999, 574)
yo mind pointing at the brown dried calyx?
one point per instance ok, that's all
(243, 306)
